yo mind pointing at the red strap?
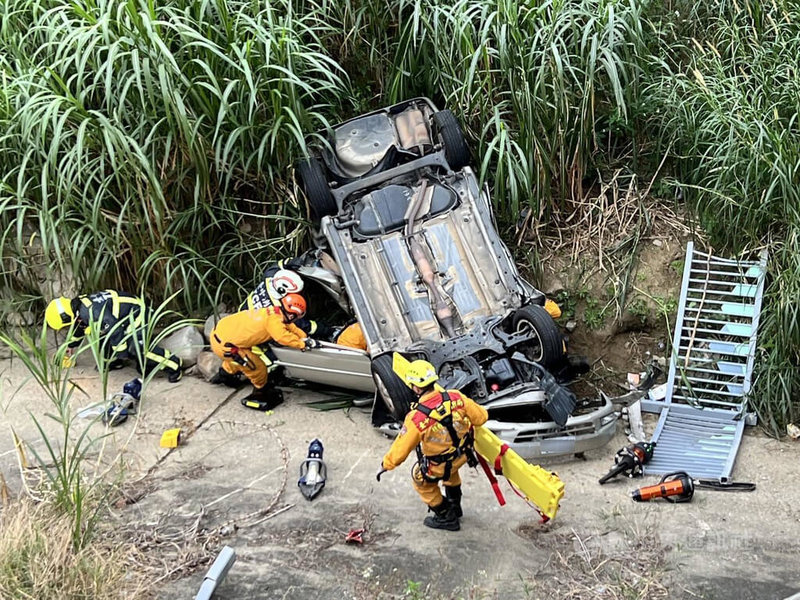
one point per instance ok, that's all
(498, 466)
(492, 479)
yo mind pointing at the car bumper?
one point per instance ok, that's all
(580, 434)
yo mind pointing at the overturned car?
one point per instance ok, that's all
(407, 245)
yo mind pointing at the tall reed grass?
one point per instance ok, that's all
(538, 84)
(729, 103)
(148, 146)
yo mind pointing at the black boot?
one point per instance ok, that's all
(265, 398)
(174, 376)
(453, 493)
(225, 378)
(444, 517)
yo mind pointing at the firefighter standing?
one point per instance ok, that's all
(236, 339)
(121, 319)
(439, 427)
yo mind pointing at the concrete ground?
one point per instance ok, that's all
(235, 463)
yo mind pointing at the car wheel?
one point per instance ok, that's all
(315, 185)
(547, 348)
(395, 394)
(455, 145)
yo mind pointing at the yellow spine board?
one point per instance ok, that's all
(539, 486)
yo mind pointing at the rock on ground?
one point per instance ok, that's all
(208, 364)
(210, 324)
(185, 343)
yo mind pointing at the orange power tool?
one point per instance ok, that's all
(679, 487)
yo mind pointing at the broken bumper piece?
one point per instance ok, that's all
(580, 434)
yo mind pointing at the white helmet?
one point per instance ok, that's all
(286, 282)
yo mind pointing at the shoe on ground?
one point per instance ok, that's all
(263, 399)
(444, 517)
(175, 376)
(226, 379)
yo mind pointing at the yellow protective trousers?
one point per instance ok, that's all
(235, 340)
(253, 368)
(429, 490)
(352, 337)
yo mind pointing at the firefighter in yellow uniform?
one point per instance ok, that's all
(236, 339)
(439, 427)
(353, 337)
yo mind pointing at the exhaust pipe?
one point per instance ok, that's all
(441, 309)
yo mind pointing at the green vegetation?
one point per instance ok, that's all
(638, 308)
(149, 146)
(594, 314)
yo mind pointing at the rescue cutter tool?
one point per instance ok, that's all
(630, 460)
(312, 471)
(679, 487)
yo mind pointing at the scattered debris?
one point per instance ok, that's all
(313, 471)
(355, 536)
(658, 392)
(571, 326)
(633, 415)
(793, 431)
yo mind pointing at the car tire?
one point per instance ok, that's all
(312, 179)
(395, 394)
(550, 350)
(456, 150)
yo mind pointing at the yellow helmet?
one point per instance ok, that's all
(59, 313)
(420, 373)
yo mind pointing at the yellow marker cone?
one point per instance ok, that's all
(171, 438)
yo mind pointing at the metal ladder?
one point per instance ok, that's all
(710, 371)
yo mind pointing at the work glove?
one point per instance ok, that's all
(67, 361)
(310, 343)
(381, 472)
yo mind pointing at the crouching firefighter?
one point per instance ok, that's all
(439, 426)
(121, 319)
(236, 340)
(279, 280)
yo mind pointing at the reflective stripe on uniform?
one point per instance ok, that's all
(163, 360)
(262, 355)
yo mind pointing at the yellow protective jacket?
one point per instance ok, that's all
(420, 429)
(249, 328)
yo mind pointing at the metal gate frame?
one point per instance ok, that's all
(703, 413)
